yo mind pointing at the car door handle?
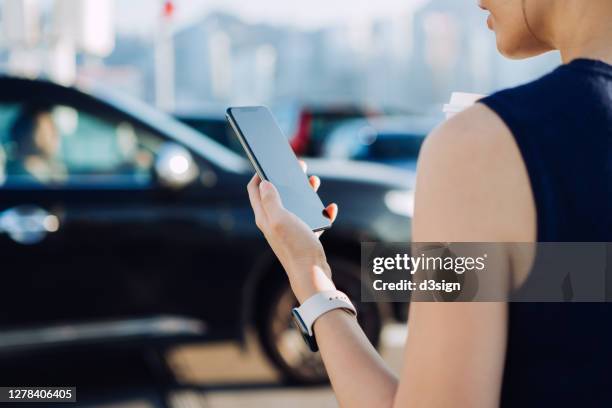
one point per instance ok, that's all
(27, 224)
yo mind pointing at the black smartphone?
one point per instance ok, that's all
(270, 153)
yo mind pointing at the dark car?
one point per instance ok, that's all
(214, 125)
(118, 223)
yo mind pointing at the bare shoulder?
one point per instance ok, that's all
(472, 184)
(476, 121)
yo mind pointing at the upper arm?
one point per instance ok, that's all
(454, 355)
(470, 183)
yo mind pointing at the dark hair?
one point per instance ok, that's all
(22, 131)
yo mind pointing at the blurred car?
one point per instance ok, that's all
(119, 224)
(306, 130)
(394, 141)
(315, 123)
(213, 125)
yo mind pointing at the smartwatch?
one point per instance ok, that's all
(315, 306)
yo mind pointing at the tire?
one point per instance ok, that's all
(283, 344)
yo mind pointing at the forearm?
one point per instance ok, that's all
(358, 374)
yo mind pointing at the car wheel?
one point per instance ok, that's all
(283, 343)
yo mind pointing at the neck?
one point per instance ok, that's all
(586, 32)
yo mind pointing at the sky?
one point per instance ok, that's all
(140, 16)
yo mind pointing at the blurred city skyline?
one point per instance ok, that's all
(400, 56)
(140, 17)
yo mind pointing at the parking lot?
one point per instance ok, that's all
(215, 375)
(142, 266)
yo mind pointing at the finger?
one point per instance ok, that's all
(303, 165)
(255, 199)
(315, 182)
(271, 201)
(331, 212)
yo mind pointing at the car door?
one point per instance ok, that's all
(87, 232)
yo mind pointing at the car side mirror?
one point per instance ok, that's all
(174, 166)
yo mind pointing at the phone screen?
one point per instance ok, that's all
(270, 152)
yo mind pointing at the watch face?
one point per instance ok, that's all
(299, 323)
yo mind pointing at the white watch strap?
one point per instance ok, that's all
(321, 303)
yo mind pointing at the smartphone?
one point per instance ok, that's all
(270, 153)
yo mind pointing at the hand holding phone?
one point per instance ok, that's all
(295, 245)
(274, 160)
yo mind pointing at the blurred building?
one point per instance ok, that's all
(411, 61)
(454, 50)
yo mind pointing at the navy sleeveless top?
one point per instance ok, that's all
(560, 354)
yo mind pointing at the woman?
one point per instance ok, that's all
(37, 146)
(538, 161)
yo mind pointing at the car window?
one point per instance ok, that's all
(396, 146)
(8, 113)
(61, 146)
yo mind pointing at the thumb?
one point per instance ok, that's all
(270, 198)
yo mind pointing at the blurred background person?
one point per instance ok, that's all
(37, 145)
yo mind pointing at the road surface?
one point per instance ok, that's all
(215, 375)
